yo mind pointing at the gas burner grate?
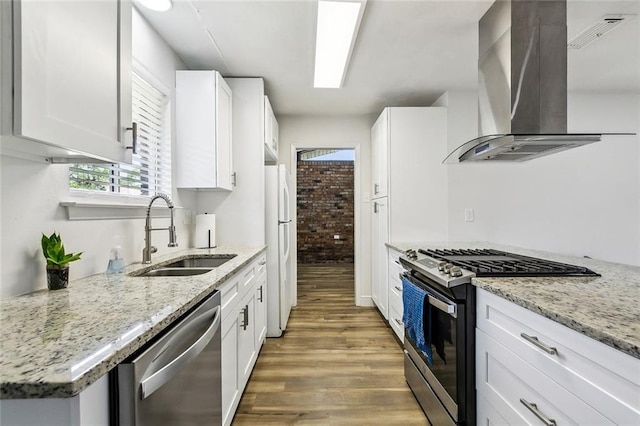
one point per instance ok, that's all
(496, 263)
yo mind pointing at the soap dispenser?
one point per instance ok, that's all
(116, 260)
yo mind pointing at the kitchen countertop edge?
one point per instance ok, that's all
(41, 387)
(532, 297)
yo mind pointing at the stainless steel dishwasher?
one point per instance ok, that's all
(176, 380)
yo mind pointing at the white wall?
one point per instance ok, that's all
(32, 191)
(240, 213)
(298, 132)
(584, 201)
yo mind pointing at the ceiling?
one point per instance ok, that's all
(407, 52)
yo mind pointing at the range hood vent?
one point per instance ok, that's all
(597, 30)
(522, 84)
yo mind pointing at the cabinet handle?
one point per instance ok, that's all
(234, 179)
(245, 317)
(397, 262)
(376, 188)
(534, 341)
(264, 262)
(375, 207)
(260, 297)
(398, 321)
(534, 409)
(398, 288)
(134, 142)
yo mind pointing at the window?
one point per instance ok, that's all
(150, 171)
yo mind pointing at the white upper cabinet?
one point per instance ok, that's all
(271, 133)
(71, 79)
(203, 127)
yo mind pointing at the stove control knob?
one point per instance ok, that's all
(455, 271)
(447, 268)
(411, 254)
(441, 266)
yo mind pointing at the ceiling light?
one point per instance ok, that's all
(157, 5)
(338, 23)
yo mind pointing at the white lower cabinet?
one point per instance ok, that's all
(261, 309)
(532, 370)
(379, 284)
(230, 371)
(395, 294)
(243, 331)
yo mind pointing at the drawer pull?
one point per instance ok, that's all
(398, 288)
(534, 341)
(264, 262)
(398, 321)
(397, 262)
(534, 409)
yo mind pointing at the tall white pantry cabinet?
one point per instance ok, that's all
(409, 186)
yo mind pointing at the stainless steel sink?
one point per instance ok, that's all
(174, 272)
(201, 262)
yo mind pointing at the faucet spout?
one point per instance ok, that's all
(148, 248)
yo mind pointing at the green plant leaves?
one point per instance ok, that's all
(54, 253)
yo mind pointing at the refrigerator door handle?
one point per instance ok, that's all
(286, 214)
(286, 242)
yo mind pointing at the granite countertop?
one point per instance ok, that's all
(56, 343)
(605, 308)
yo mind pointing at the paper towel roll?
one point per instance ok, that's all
(205, 230)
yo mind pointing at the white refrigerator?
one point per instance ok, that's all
(278, 224)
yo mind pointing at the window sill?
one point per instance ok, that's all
(93, 210)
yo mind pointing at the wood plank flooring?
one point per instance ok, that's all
(337, 364)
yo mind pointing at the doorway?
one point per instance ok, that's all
(325, 208)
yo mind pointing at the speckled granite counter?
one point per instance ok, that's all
(605, 308)
(56, 343)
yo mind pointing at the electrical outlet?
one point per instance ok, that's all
(186, 217)
(468, 215)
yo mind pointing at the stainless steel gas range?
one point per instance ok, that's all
(439, 318)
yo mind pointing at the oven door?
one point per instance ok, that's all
(443, 326)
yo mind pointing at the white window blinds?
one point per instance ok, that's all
(150, 171)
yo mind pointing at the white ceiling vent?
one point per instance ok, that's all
(598, 29)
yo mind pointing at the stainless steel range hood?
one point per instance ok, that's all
(522, 84)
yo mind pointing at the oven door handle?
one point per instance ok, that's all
(444, 307)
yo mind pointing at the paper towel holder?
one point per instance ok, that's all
(207, 242)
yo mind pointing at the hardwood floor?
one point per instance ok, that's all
(337, 364)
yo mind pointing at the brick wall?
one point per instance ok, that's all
(325, 208)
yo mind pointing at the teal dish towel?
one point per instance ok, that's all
(415, 313)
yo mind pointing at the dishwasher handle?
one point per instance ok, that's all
(151, 384)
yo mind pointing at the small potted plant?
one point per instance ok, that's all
(57, 261)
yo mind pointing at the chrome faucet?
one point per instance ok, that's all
(148, 248)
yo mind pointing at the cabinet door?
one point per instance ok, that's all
(246, 338)
(380, 153)
(230, 373)
(224, 138)
(380, 292)
(261, 310)
(204, 158)
(63, 99)
(270, 132)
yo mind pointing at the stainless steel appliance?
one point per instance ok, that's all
(441, 371)
(522, 84)
(177, 379)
